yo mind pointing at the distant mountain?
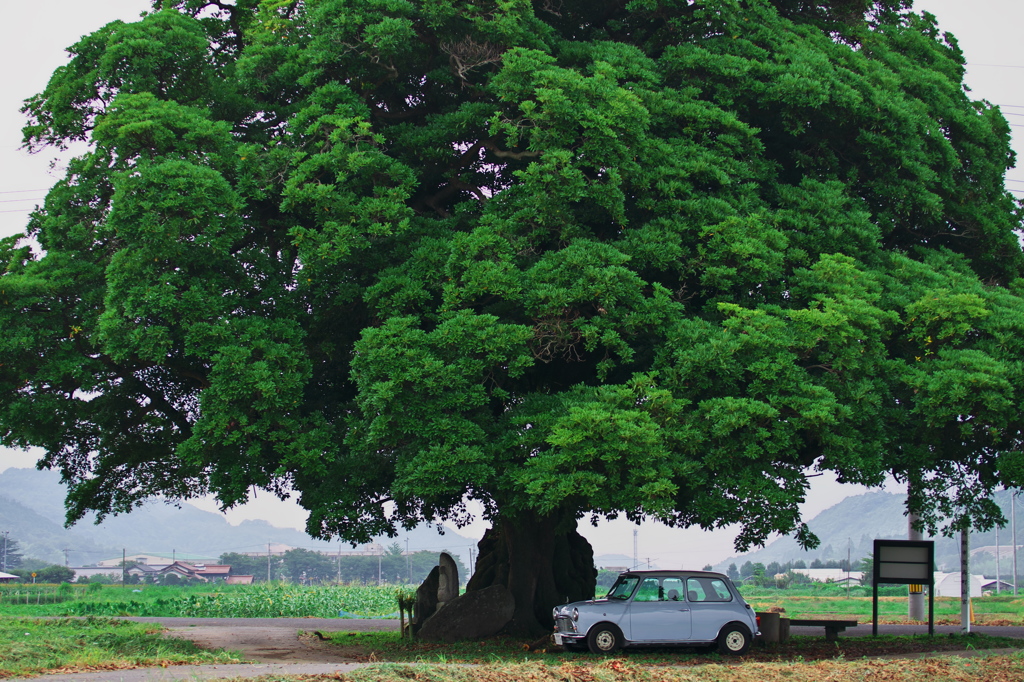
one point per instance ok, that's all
(32, 509)
(854, 523)
(619, 560)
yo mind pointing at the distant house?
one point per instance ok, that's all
(830, 575)
(145, 571)
(1004, 552)
(239, 580)
(83, 573)
(991, 585)
(948, 584)
(7, 578)
(156, 559)
(201, 572)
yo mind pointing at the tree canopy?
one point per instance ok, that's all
(563, 258)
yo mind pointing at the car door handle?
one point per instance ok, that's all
(684, 609)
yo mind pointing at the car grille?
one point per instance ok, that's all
(564, 624)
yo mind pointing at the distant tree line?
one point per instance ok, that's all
(306, 566)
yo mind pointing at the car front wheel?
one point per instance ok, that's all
(604, 639)
(734, 639)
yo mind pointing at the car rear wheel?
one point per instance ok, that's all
(604, 639)
(734, 639)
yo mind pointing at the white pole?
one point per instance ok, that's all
(965, 579)
(1013, 531)
(915, 600)
(997, 560)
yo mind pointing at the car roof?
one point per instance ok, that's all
(674, 572)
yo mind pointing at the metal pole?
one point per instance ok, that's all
(915, 600)
(3, 562)
(998, 579)
(1013, 531)
(965, 579)
(636, 561)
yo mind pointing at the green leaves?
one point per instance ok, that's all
(656, 259)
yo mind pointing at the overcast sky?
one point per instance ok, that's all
(33, 37)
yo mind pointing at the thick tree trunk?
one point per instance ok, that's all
(541, 566)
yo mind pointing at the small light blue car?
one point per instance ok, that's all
(660, 608)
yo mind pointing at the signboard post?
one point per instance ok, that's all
(904, 562)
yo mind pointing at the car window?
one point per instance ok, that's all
(721, 589)
(649, 590)
(707, 589)
(694, 590)
(623, 587)
(672, 588)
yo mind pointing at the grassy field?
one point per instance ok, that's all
(1002, 610)
(29, 646)
(274, 600)
(283, 600)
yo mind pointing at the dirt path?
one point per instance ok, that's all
(274, 640)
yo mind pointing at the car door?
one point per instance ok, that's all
(658, 612)
(712, 607)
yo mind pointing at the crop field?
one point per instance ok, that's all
(1002, 610)
(276, 600)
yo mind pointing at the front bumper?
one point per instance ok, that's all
(565, 631)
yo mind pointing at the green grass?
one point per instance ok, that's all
(986, 609)
(389, 646)
(274, 600)
(29, 646)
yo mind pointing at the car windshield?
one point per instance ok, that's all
(623, 587)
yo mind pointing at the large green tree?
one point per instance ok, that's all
(563, 258)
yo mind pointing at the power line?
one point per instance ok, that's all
(23, 191)
(12, 201)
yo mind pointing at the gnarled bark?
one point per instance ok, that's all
(541, 564)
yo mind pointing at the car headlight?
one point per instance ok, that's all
(575, 615)
(554, 612)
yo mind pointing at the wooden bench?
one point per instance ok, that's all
(832, 627)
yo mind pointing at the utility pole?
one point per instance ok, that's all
(66, 550)
(636, 561)
(408, 563)
(965, 578)
(1013, 531)
(849, 546)
(915, 600)
(998, 552)
(268, 562)
(3, 560)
